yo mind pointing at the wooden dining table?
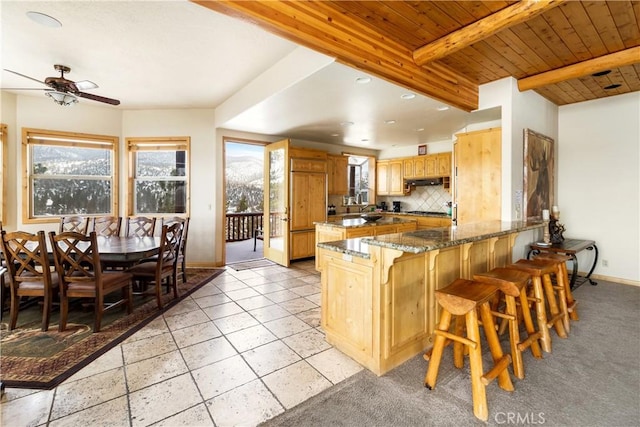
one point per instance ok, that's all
(127, 249)
(121, 250)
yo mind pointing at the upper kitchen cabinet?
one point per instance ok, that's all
(389, 176)
(478, 178)
(414, 167)
(429, 166)
(337, 167)
(444, 164)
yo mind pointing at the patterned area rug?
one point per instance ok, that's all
(247, 265)
(35, 359)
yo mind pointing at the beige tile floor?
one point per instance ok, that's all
(242, 349)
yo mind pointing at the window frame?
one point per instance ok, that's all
(32, 137)
(171, 143)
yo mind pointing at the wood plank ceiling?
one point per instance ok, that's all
(445, 49)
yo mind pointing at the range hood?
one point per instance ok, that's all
(423, 182)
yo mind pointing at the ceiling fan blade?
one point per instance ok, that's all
(26, 77)
(24, 88)
(98, 98)
(86, 85)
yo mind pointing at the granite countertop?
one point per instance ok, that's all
(385, 213)
(427, 240)
(359, 222)
(355, 247)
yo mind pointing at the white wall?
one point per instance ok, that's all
(199, 125)
(41, 113)
(520, 110)
(8, 117)
(599, 180)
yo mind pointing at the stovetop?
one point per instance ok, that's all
(428, 213)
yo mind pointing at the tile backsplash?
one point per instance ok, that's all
(426, 198)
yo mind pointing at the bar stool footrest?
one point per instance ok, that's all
(497, 369)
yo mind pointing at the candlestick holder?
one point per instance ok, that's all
(545, 232)
(555, 229)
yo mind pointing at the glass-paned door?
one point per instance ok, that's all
(276, 202)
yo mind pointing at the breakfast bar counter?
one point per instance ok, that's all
(378, 302)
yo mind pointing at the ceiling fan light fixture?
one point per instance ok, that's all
(62, 98)
(42, 19)
(86, 85)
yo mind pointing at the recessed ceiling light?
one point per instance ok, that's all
(363, 80)
(389, 122)
(419, 129)
(408, 95)
(601, 73)
(346, 124)
(335, 134)
(443, 108)
(613, 86)
(43, 19)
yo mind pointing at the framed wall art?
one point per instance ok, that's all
(422, 150)
(539, 174)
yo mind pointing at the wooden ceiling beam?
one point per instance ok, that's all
(613, 60)
(319, 26)
(482, 29)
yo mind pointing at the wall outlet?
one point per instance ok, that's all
(605, 263)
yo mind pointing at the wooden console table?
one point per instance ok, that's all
(570, 247)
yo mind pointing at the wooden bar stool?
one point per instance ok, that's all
(513, 284)
(540, 271)
(563, 274)
(463, 298)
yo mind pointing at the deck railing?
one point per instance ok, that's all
(241, 226)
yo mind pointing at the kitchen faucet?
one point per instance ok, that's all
(364, 207)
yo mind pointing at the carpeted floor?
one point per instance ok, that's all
(590, 379)
(35, 359)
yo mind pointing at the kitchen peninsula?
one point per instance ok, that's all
(342, 228)
(378, 303)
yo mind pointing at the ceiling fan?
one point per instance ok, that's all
(64, 91)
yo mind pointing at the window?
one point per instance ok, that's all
(3, 163)
(159, 175)
(69, 174)
(358, 177)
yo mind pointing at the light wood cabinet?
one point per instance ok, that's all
(444, 164)
(330, 233)
(431, 222)
(308, 204)
(337, 174)
(382, 311)
(478, 184)
(303, 244)
(432, 165)
(414, 167)
(389, 178)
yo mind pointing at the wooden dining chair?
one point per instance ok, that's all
(78, 224)
(77, 261)
(107, 226)
(164, 270)
(140, 226)
(29, 272)
(182, 258)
